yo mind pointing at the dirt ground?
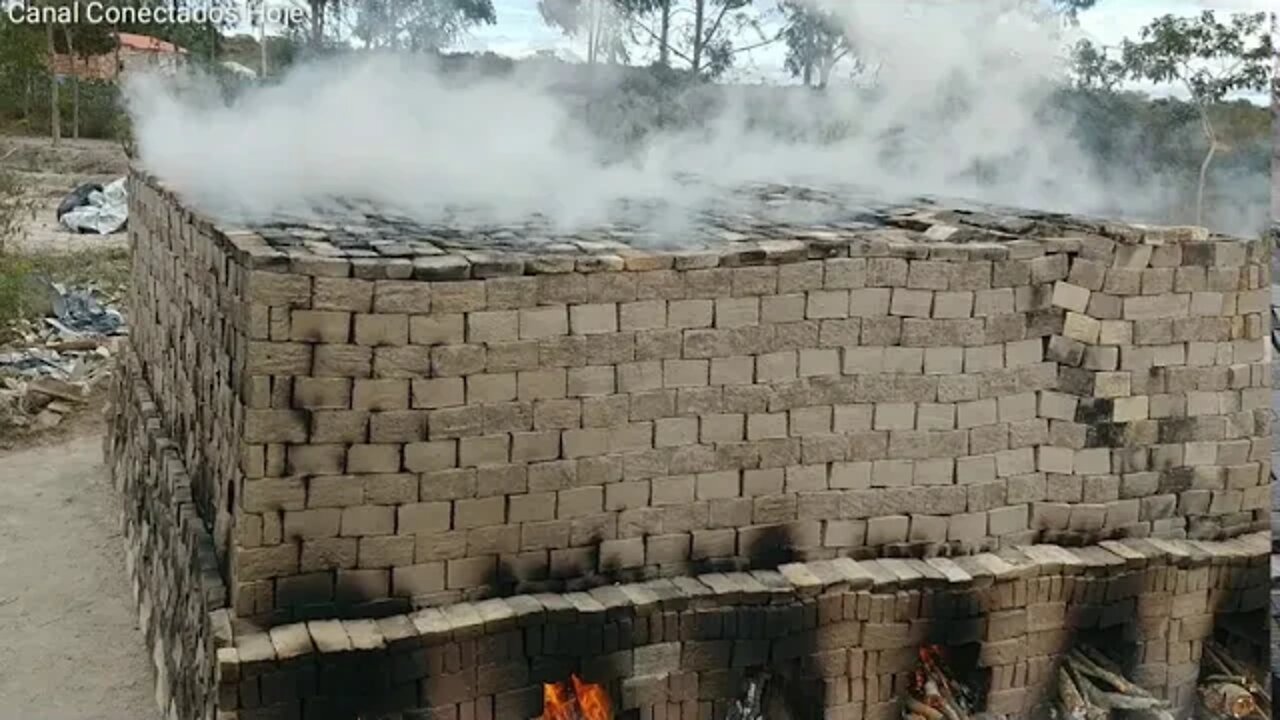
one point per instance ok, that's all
(71, 649)
(52, 173)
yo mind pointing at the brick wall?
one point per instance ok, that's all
(847, 633)
(188, 329)
(169, 554)
(376, 430)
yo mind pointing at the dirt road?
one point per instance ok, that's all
(71, 648)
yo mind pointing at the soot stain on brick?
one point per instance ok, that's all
(1176, 480)
(1094, 410)
(1112, 632)
(1075, 381)
(349, 685)
(1177, 430)
(501, 579)
(773, 547)
(359, 685)
(956, 623)
(1106, 434)
(1229, 619)
(334, 594)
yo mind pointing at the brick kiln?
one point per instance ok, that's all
(933, 460)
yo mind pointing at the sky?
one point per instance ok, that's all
(520, 31)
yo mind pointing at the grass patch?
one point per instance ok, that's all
(104, 268)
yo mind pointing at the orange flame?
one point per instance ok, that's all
(932, 660)
(575, 700)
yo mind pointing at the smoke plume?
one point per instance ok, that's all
(959, 108)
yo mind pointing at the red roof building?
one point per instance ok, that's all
(135, 52)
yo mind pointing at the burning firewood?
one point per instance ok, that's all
(934, 694)
(575, 700)
(1092, 687)
(1227, 689)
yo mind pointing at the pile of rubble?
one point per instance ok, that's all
(52, 366)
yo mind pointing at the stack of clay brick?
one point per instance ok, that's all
(373, 426)
(439, 428)
(841, 637)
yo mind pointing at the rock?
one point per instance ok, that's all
(59, 406)
(47, 419)
(10, 407)
(56, 388)
(34, 401)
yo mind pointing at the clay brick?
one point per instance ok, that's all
(421, 579)
(368, 520)
(316, 459)
(479, 513)
(275, 426)
(431, 393)
(345, 361)
(424, 518)
(381, 329)
(911, 303)
(320, 326)
(278, 358)
(458, 296)
(385, 552)
(373, 458)
(381, 394)
(437, 329)
(593, 319)
(493, 326)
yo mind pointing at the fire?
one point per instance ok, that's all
(575, 700)
(932, 660)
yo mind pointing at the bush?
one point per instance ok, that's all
(15, 210)
(15, 287)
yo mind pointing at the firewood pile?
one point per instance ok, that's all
(935, 694)
(1228, 690)
(1092, 687)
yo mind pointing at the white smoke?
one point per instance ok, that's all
(958, 111)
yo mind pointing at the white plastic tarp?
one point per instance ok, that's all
(105, 213)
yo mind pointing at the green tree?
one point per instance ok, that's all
(602, 22)
(1210, 58)
(22, 64)
(1094, 69)
(78, 42)
(417, 25)
(705, 39)
(815, 40)
(711, 47)
(1071, 9)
